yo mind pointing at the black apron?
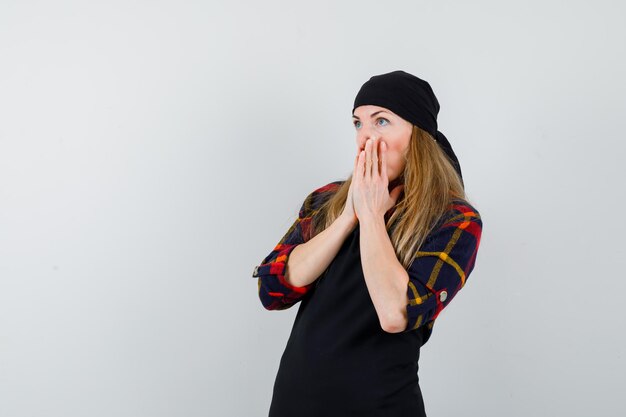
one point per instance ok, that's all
(338, 360)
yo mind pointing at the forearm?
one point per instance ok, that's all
(310, 259)
(385, 277)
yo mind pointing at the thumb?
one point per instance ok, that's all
(395, 193)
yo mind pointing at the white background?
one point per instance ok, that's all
(153, 152)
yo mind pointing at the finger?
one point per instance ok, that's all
(383, 161)
(360, 171)
(375, 168)
(355, 169)
(368, 159)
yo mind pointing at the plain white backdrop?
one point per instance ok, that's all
(153, 152)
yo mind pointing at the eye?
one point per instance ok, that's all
(357, 123)
(383, 119)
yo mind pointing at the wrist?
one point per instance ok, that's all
(347, 222)
(371, 219)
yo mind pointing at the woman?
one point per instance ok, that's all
(373, 259)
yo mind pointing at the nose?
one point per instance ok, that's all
(363, 134)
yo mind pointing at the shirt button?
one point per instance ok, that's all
(256, 271)
(442, 296)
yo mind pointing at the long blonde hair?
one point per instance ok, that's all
(430, 185)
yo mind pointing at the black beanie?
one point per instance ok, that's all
(410, 98)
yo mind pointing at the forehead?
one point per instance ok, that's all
(367, 110)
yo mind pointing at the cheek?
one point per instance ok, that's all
(394, 157)
(394, 152)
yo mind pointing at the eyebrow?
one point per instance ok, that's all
(372, 115)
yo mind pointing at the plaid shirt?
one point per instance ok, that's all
(439, 270)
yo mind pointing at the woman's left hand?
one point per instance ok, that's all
(370, 194)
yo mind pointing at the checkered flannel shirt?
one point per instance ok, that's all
(439, 270)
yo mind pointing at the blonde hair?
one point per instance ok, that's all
(430, 185)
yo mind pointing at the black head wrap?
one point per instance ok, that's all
(410, 98)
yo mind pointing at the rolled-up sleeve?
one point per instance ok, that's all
(442, 266)
(274, 291)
